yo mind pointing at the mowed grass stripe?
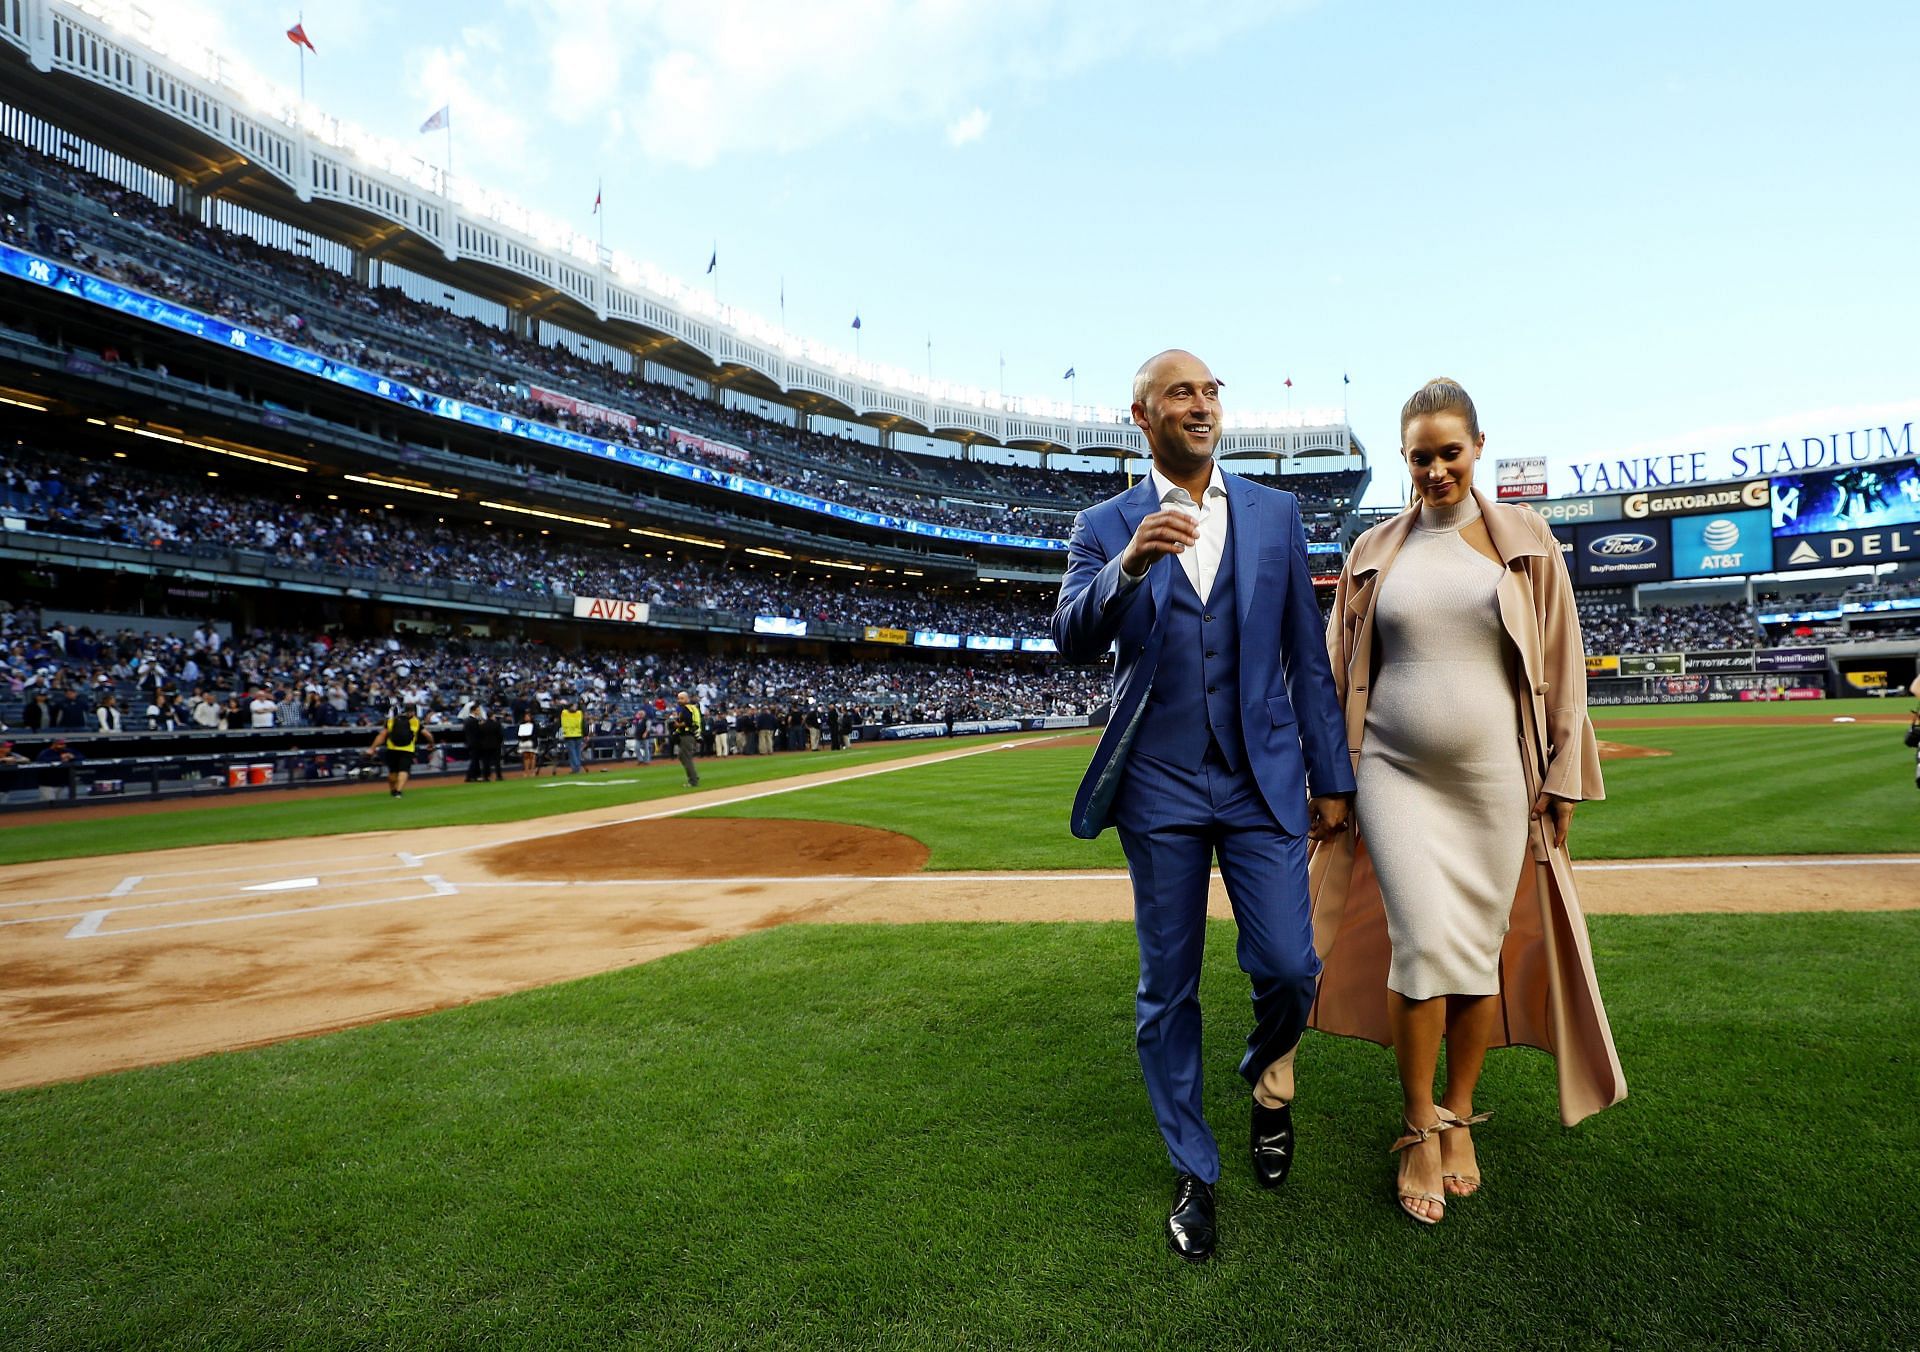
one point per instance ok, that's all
(936, 1136)
(220, 821)
(1762, 791)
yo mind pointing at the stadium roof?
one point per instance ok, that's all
(215, 130)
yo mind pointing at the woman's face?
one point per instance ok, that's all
(1440, 455)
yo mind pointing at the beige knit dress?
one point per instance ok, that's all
(1442, 797)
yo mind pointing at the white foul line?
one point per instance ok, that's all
(441, 888)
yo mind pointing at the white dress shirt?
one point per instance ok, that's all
(1200, 562)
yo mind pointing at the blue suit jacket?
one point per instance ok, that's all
(1289, 713)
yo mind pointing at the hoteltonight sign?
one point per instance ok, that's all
(1829, 450)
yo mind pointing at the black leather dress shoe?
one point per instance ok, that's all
(1190, 1228)
(1272, 1139)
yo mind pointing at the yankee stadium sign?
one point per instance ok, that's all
(1833, 450)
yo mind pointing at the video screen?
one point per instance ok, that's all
(1847, 499)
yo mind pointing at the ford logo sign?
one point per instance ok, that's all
(1623, 546)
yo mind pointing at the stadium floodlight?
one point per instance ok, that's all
(400, 484)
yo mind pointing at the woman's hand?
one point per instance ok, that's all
(1559, 809)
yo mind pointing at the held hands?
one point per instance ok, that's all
(1560, 810)
(1170, 530)
(1327, 816)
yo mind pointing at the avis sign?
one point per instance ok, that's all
(610, 609)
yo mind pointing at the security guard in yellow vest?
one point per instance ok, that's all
(573, 732)
(401, 735)
(687, 723)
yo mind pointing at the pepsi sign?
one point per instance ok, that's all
(1622, 554)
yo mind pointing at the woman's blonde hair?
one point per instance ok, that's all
(1440, 395)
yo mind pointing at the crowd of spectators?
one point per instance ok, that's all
(156, 249)
(110, 499)
(1615, 627)
(61, 678)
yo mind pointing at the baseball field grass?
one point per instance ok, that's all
(934, 1136)
(369, 807)
(1787, 789)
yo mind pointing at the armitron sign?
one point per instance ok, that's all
(607, 608)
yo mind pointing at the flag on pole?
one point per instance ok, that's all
(856, 321)
(714, 261)
(596, 199)
(297, 35)
(1068, 375)
(1289, 382)
(440, 120)
(1344, 380)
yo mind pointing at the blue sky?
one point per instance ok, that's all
(1620, 226)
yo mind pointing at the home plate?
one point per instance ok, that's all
(284, 885)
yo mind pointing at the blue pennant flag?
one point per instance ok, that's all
(1068, 375)
(856, 321)
(714, 261)
(1344, 380)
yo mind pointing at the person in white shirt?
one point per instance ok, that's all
(206, 712)
(262, 710)
(108, 715)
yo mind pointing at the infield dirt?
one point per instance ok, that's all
(137, 959)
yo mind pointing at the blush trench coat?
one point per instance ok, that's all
(1549, 997)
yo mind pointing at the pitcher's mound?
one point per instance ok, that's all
(709, 847)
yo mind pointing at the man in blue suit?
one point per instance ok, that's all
(1226, 738)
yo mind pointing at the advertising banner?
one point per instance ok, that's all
(1580, 509)
(967, 727)
(1842, 548)
(900, 731)
(1521, 479)
(1859, 498)
(1652, 664)
(1732, 660)
(1603, 664)
(1724, 545)
(1790, 659)
(580, 408)
(878, 635)
(933, 638)
(1054, 721)
(1621, 554)
(1317, 547)
(607, 608)
(1683, 501)
(1038, 645)
(780, 624)
(705, 447)
(989, 643)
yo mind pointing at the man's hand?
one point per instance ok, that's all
(1167, 531)
(1559, 809)
(1327, 816)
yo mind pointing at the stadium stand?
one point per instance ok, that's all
(1615, 627)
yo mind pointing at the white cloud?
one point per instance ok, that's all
(694, 83)
(966, 130)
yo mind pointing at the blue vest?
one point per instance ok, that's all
(1195, 699)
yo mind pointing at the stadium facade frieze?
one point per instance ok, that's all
(1825, 449)
(178, 108)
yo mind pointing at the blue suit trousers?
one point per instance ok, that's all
(1172, 823)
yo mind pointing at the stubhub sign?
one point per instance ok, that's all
(1723, 544)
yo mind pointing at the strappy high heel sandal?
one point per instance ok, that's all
(1419, 1136)
(1448, 1121)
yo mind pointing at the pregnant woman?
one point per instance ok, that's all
(1450, 913)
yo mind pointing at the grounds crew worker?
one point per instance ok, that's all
(401, 736)
(687, 723)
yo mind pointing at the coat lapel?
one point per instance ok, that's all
(1245, 526)
(1136, 505)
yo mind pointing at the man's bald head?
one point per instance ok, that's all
(1176, 403)
(1152, 371)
